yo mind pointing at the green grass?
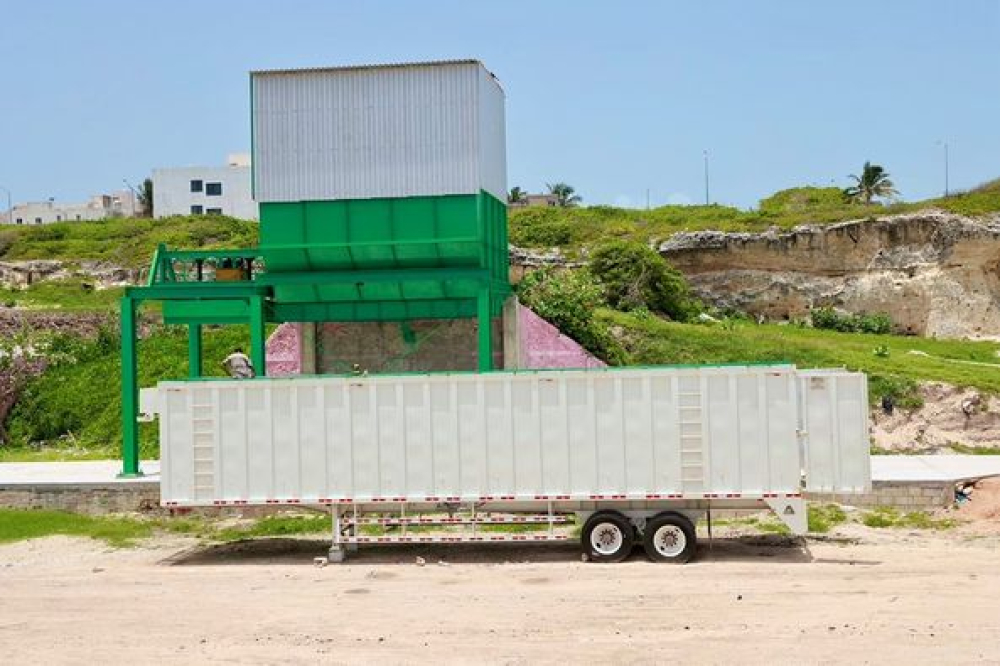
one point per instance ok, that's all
(921, 520)
(18, 525)
(125, 241)
(275, 526)
(965, 449)
(573, 228)
(653, 341)
(70, 294)
(75, 404)
(824, 517)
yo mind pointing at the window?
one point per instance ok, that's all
(20, 220)
(196, 210)
(58, 218)
(196, 186)
(38, 220)
(213, 189)
(213, 211)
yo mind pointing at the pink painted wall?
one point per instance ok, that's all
(283, 353)
(543, 346)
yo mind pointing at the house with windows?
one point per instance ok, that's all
(209, 190)
(98, 207)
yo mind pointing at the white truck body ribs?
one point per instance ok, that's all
(519, 439)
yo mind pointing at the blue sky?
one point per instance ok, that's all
(613, 98)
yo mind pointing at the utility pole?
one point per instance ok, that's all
(705, 154)
(10, 207)
(647, 198)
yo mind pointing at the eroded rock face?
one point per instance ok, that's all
(934, 273)
(19, 274)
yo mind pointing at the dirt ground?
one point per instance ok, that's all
(868, 596)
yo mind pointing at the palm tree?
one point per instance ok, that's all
(873, 183)
(516, 195)
(564, 194)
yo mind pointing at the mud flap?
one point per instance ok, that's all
(791, 511)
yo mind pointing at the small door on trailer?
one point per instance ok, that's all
(835, 431)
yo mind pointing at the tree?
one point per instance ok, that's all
(146, 197)
(516, 195)
(873, 183)
(564, 194)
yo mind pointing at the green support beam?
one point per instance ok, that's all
(362, 277)
(130, 389)
(258, 337)
(194, 351)
(485, 324)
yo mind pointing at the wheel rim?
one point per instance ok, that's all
(606, 539)
(669, 541)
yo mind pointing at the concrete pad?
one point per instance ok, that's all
(933, 468)
(77, 473)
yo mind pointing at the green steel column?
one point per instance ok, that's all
(485, 330)
(130, 390)
(194, 351)
(258, 341)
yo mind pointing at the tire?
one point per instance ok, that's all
(607, 536)
(669, 537)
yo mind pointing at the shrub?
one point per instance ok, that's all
(568, 300)
(828, 318)
(634, 276)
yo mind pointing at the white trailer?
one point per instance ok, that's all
(636, 454)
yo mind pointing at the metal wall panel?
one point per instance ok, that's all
(374, 132)
(836, 434)
(574, 434)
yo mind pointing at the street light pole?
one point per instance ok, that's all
(10, 207)
(705, 153)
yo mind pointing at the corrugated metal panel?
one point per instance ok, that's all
(361, 133)
(835, 422)
(574, 434)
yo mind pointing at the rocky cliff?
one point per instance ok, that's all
(934, 273)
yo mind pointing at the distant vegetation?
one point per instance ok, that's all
(873, 183)
(128, 242)
(575, 228)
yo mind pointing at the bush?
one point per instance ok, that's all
(634, 276)
(828, 318)
(568, 300)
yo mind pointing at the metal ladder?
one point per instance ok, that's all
(203, 450)
(692, 440)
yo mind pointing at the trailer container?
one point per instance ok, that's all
(635, 453)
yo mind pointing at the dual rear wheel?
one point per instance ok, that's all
(608, 536)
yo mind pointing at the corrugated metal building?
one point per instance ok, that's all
(373, 132)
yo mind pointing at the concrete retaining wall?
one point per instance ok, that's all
(903, 495)
(88, 499)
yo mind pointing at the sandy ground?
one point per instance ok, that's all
(883, 596)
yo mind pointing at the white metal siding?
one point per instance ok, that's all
(374, 132)
(569, 433)
(836, 434)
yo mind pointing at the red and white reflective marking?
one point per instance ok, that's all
(435, 499)
(454, 520)
(455, 538)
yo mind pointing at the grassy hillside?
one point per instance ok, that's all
(895, 371)
(125, 241)
(75, 403)
(571, 228)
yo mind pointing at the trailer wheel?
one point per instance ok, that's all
(669, 537)
(607, 537)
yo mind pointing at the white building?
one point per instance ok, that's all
(223, 190)
(99, 207)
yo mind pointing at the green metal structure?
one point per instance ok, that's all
(394, 260)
